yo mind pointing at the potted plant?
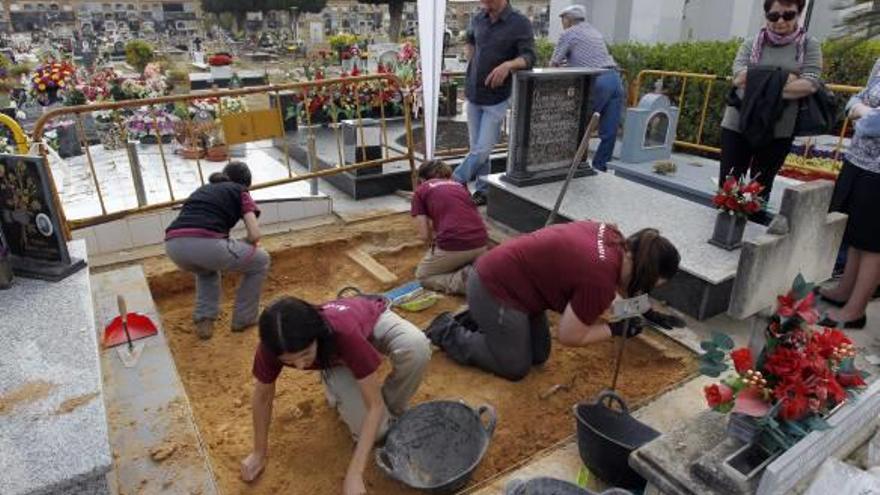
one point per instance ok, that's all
(221, 66)
(735, 200)
(790, 383)
(48, 79)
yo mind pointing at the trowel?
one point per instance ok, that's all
(130, 352)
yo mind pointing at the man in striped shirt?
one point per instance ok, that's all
(581, 45)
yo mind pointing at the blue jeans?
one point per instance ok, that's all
(608, 98)
(484, 129)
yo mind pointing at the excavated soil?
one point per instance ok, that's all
(309, 447)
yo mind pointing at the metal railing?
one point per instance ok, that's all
(305, 94)
(708, 81)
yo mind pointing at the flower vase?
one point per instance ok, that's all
(743, 427)
(729, 231)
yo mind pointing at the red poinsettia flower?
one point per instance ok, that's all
(742, 360)
(828, 340)
(784, 362)
(789, 307)
(794, 396)
(718, 394)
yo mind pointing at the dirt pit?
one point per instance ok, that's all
(309, 446)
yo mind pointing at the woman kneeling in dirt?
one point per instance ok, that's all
(198, 241)
(345, 340)
(575, 269)
(449, 222)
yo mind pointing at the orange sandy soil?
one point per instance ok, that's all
(309, 446)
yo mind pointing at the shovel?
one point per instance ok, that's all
(575, 163)
(130, 352)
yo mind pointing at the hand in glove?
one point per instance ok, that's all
(630, 327)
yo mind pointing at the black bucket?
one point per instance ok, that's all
(606, 438)
(544, 486)
(436, 446)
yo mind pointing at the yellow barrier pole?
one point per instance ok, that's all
(162, 152)
(18, 135)
(82, 137)
(705, 109)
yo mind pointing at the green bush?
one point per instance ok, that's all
(544, 50)
(138, 54)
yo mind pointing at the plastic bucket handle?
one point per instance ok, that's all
(611, 397)
(489, 411)
(384, 462)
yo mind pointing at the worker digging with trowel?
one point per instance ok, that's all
(576, 269)
(198, 241)
(449, 222)
(345, 340)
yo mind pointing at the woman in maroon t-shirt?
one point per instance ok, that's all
(574, 269)
(344, 339)
(450, 223)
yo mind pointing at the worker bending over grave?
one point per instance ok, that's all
(344, 340)
(575, 269)
(449, 222)
(198, 241)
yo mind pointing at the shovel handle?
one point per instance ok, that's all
(123, 309)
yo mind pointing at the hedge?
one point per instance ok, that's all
(845, 63)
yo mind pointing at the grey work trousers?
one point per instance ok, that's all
(509, 341)
(207, 258)
(409, 351)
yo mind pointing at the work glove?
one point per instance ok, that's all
(629, 327)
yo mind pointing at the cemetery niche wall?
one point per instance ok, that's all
(30, 221)
(551, 109)
(649, 130)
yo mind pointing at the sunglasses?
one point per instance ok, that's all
(788, 15)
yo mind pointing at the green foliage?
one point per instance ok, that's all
(544, 49)
(342, 41)
(712, 361)
(844, 63)
(139, 53)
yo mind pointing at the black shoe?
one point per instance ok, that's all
(479, 198)
(847, 325)
(439, 327)
(464, 319)
(828, 300)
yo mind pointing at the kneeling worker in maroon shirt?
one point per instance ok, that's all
(450, 223)
(344, 340)
(574, 269)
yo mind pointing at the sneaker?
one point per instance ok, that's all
(479, 198)
(439, 327)
(205, 329)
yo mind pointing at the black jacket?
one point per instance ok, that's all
(762, 105)
(214, 207)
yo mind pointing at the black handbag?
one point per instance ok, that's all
(817, 113)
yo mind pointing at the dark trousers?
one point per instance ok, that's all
(762, 164)
(508, 343)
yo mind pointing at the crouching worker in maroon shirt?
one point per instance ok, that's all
(345, 341)
(575, 269)
(448, 221)
(198, 241)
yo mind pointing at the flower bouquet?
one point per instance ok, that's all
(149, 126)
(735, 201)
(49, 78)
(221, 66)
(801, 374)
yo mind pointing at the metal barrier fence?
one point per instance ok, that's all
(317, 108)
(709, 82)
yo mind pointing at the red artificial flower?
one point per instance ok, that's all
(827, 341)
(753, 187)
(742, 360)
(752, 207)
(784, 362)
(729, 185)
(850, 380)
(718, 394)
(794, 396)
(789, 308)
(732, 204)
(355, 71)
(719, 200)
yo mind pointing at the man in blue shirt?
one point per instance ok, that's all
(581, 45)
(499, 41)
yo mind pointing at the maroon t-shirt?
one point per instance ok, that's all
(577, 263)
(458, 225)
(352, 321)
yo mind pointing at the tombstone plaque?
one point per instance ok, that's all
(550, 112)
(30, 221)
(649, 130)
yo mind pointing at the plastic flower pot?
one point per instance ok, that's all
(729, 231)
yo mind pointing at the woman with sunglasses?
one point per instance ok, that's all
(782, 43)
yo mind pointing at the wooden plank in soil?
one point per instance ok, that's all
(370, 264)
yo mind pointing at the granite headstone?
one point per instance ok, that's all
(551, 109)
(31, 222)
(649, 130)
(362, 143)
